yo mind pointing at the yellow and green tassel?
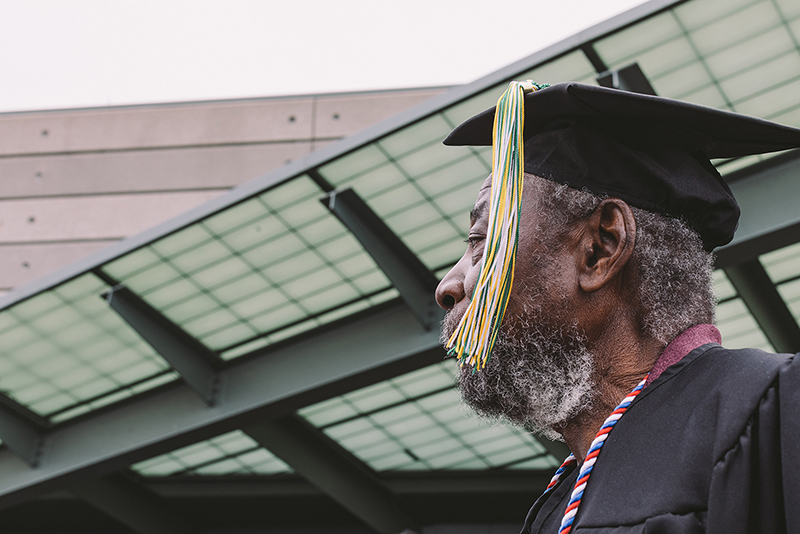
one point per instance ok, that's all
(473, 340)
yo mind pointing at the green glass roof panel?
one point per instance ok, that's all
(738, 327)
(726, 31)
(789, 8)
(468, 169)
(700, 13)
(354, 164)
(264, 264)
(67, 351)
(710, 52)
(723, 289)
(735, 322)
(626, 46)
(742, 91)
(374, 181)
(685, 80)
(774, 101)
(279, 264)
(708, 95)
(426, 133)
(426, 158)
(750, 52)
(234, 453)
(417, 422)
(782, 264)
(790, 293)
(132, 262)
(188, 238)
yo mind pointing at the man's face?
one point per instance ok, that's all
(539, 371)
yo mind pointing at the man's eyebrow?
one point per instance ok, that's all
(477, 212)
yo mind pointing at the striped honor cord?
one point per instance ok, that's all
(473, 340)
(591, 459)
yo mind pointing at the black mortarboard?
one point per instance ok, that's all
(649, 151)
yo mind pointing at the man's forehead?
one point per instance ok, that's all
(481, 203)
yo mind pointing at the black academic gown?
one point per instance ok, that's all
(712, 445)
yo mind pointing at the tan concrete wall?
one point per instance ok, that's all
(74, 181)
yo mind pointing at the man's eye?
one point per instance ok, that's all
(474, 240)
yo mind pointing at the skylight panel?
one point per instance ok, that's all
(735, 322)
(738, 327)
(627, 45)
(416, 422)
(699, 13)
(66, 352)
(750, 52)
(727, 31)
(774, 73)
(234, 453)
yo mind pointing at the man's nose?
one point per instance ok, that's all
(450, 290)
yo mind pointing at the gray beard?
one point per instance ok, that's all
(537, 377)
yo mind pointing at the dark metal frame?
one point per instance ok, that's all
(261, 391)
(336, 150)
(346, 356)
(415, 282)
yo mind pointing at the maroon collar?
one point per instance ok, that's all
(686, 342)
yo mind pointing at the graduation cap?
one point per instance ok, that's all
(654, 153)
(651, 152)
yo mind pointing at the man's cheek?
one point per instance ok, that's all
(470, 280)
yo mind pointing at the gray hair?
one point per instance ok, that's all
(671, 270)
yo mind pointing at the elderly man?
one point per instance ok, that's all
(607, 325)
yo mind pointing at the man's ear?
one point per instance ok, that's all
(606, 244)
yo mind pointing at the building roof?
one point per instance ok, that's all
(283, 337)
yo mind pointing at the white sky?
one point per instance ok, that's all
(76, 53)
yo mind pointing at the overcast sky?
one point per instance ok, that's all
(77, 53)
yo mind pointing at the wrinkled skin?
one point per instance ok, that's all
(569, 347)
(539, 373)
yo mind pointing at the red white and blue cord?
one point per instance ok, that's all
(591, 459)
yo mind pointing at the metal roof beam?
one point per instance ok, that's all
(337, 359)
(407, 273)
(338, 149)
(594, 58)
(195, 363)
(488, 481)
(769, 310)
(628, 78)
(767, 194)
(132, 505)
(21, 430)
(334, 471)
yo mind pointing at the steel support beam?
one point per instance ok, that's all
(352, 354)
(347, 145)
(195, 363)
(333, 470)
(133, 506)
(630, 78)
(769, 310)
(258, 503)
(767, 194)
(594, 58)
(21, 430)
(415, 282)
(486, 482)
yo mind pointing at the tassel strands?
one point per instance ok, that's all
(473, 340)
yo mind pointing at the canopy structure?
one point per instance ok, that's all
(271, 359)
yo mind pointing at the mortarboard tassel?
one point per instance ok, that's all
(473, 340)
